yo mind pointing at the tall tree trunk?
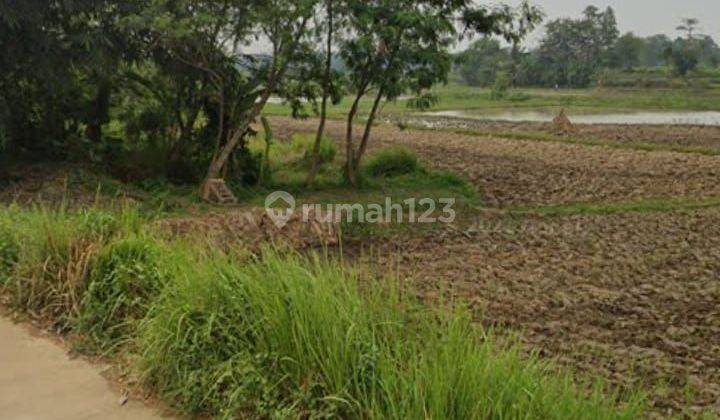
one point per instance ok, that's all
(219, 162)
(368, 128)
(276, 73)
(99, 109)
(315, 167)
(349, 147)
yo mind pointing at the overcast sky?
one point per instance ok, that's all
(644, 17)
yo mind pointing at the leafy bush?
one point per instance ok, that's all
(305, 143)
(501, 87)
(9, 253)
(393, 162)
(286, 337)
(124, 279)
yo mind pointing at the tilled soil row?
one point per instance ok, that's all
(623, 296)
(524, 173)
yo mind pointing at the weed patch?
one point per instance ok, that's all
(125, 277)
(49, 275)
(9, 252)
(392, 162)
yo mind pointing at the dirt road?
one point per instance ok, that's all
(39, 381)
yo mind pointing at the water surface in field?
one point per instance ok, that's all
(639, 117)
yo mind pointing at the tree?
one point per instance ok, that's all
(689, 26)
(285, 24)
(396, 46)
(60, 62)
(627, 51)
(574, 50)
(478, 65)
(570, 53)
(684, 54)
(709, 51)
(327, 90)
(654, 51)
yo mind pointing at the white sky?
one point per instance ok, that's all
(643, 17)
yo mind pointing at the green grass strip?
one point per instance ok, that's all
(639, 206)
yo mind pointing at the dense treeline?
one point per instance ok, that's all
(164, 88)
(585, 51)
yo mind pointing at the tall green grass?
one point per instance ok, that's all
(289, 337)
(278, 336)
(125, 277)
(47, 269)
(392, 162)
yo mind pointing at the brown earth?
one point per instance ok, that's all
(525, 172)
(623, 296)
(631, 297)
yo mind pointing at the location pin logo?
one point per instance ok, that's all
(280, 207)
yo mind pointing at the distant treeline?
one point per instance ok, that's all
(586, 51)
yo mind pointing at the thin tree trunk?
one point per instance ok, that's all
(276, 74)
(315, 167)
(368, 128)
(349, 148)
(99, 111)
(216, 166)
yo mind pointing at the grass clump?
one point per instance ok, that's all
(290, 337)
(125, 277)
(392, 162)
(9, 252)
(49, 276)
(304, 144)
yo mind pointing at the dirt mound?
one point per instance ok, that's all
(250, 229)
(562, 124)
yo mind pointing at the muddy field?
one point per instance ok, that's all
(513, 173)
(626, 296)
(693, 136)
(623, 296)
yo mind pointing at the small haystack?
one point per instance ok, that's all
(562, 124)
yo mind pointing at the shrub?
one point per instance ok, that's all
(124, 279)
(501, 87)
(305, 143)
(393, 162)
(286, 337)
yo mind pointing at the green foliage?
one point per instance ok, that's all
(501, 87)
(268, 136)
(627, 51)
(392, 162)
(124, 280)
(684, 54)
(50, 272)
(304, 144)
(9, 252)
(480, 63)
